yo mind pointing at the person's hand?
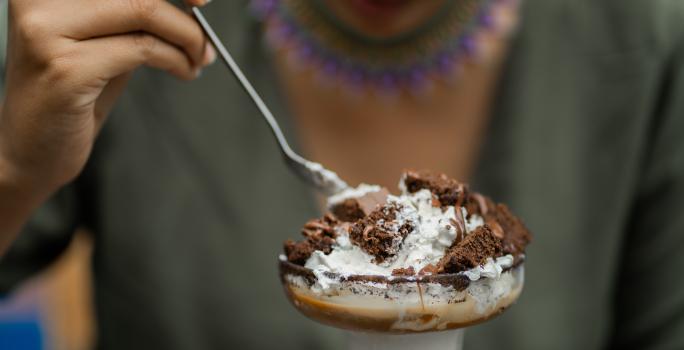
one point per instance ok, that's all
(67, 63)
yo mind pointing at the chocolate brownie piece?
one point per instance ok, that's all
(319, 235)
(377, 233)
(352, 209)
(478, 204)
(298, 252)
(472, 251)
(502, 222)
(515, 235)
(448, 191)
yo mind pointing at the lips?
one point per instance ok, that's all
(378, 7)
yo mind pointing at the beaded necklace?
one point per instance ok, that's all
(410, 61)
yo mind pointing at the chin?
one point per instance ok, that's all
(384, 18)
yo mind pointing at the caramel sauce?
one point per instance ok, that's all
(365, 320)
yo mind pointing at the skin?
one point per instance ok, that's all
(372, 139)
(68, 62)
(384, 23)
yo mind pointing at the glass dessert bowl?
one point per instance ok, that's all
(401, 304)
(401, 271)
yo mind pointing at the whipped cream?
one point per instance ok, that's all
(433, 232)
(329, 179)
(352, 192)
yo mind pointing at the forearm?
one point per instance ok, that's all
(18, 199)
(19, 196)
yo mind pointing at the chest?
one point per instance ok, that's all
(370, 136)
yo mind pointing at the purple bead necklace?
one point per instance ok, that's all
(412, 62)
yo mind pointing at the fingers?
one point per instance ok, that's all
(196, 2)
(110, 57)
(157, 17)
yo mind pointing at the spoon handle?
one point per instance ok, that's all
(314, 173)
(227, 58)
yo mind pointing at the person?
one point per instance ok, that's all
(574, 119)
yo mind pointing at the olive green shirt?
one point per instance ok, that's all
(189, 202)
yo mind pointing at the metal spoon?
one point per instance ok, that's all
(313, 173)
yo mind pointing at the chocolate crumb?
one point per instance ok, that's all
(429, 269)
(410, 271)
(459, 223)
(435, 201)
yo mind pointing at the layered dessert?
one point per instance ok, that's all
(434, 257)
